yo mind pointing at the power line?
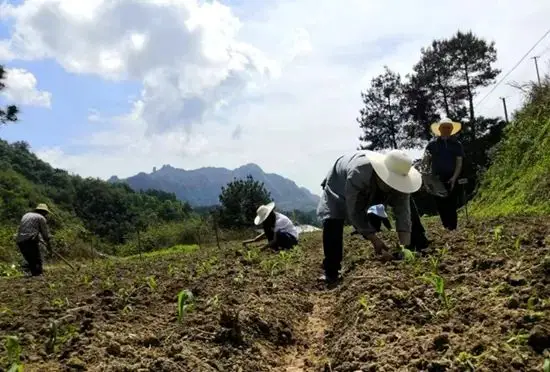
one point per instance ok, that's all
(513, 68)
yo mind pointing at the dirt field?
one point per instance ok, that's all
(479, 301)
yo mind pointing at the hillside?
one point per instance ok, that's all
(201, 187)
(518, 183)
(83, 207)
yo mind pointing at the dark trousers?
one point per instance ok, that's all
(446, 207)
(418, 233)
(30, 250)
(333, 246)
(284, 240)
(333, 240)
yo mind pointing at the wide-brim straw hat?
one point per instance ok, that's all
(42, 207)
(456, 126)
(396, 170)
(263, 212)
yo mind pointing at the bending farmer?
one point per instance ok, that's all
(33, 226)
(445, 155)
(356, 182)
(278, 228)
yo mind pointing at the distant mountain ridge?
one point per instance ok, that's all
(201, 187)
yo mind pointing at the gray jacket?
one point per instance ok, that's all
(350, 188)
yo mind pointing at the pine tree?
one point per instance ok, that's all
(384, 113)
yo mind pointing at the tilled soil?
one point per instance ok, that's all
(265, 311)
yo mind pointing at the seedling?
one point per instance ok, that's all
(465, 359)
(214, 302)
(14, 354)
(439, 286)
(152, 283)
(408, 255)
(365, 307)
(185, 303)
(546, 365)
(517, 339)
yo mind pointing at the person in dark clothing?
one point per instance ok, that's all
(279, 230)
(33, 226)
(444, 156)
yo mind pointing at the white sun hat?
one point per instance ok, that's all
(396, 170)
(456, 126)
(263, 212)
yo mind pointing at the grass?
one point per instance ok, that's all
(517, 182)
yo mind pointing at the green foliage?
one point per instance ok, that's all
(517, 182)
(81, 206)
(239, 201)
(9, 114)
(13, 349)
(384, 112)
(185, 303)
(439, 286)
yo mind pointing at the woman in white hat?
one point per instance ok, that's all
(279, 230)
(356, 182)
(445, 156)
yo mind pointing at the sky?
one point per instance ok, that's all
(116, 87)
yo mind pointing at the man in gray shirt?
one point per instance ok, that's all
(356, 182)
(33, 226)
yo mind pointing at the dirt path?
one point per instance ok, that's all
(311, 356)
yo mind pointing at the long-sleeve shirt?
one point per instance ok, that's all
(31, 225)
(350, 188)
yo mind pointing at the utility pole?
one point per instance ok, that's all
(505, 109)
(537, 67)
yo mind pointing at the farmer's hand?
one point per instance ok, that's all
(377, 243)
(452, 182)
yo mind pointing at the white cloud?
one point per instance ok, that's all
(21, 88)
(280, 86)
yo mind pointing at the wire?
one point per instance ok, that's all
(513, 68)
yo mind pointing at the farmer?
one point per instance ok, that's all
(444, 156)
(355, 182)
(278, 228)
(33, 226)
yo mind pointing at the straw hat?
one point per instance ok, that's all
(263, 212)
(396, 170)
(456, 126)
(42, 207)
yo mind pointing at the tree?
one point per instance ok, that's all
(239, 201)
(383, 115)
(446, 80)
(9, 114)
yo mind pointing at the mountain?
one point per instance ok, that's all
(201, 187)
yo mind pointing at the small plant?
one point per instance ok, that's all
(465, 359)
(13, 349)
(214, 302)
(152, 283)
(87, 279)
(408, 255)
(239, 279)
(439, 286)
(546, 365)
(185, 303)
(497, 234)
(518, 339)
(9, 270)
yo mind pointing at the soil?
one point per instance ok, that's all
(265, 311)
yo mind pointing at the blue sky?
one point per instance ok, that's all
(120, 89)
